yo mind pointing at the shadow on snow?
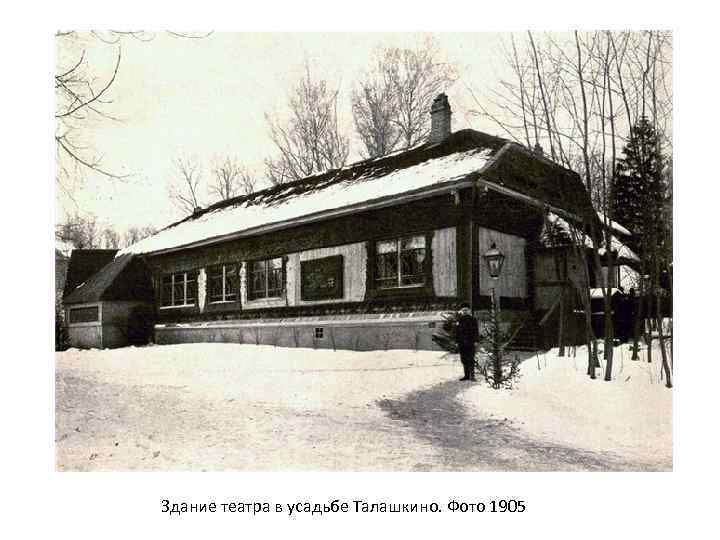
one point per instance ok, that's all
(471, 443)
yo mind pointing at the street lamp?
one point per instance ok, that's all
(494, 259)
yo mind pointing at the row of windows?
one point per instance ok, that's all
(399, 263)
(223, 284)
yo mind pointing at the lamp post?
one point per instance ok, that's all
(494, 259)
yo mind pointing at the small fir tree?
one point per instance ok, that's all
(499, 369)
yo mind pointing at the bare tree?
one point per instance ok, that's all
(81, 232)
(374, 106)
(391, 102)
(309, 141)
(417, 77)
(230, 180)
(135, 234)
(543, 103)
(564, 95)
(81, 98)
(83, 87)
(110, 238)
(185, 185)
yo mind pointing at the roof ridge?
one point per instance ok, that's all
(316, 178)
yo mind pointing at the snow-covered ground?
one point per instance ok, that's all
(556, 401)
(247, 407)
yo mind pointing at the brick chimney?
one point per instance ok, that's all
(440, 113)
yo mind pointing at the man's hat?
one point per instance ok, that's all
(464, 305)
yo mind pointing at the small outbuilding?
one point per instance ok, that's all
(113, 308)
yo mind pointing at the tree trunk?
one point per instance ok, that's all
(638, 325)
(609, 342)
(561, 325)
(663, 352)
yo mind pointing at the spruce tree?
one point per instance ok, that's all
(639, 189)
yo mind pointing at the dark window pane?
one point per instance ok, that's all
(412, 267)
(191, 293)
(387, 270)
(85, 314)
(215, 282)
(275, 281)
(179, 290)
(232, 282)
(257, 279)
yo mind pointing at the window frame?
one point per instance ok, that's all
(78, 307)
(185, 283)
(398, 253)
(427, 290)
(249, 290)
(235, 294)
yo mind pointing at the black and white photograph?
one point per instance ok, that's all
(363, 252)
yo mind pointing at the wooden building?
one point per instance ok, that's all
(366, 256)
(113, 306)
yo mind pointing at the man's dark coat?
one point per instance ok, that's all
(467, 333)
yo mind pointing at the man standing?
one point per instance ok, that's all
(467, 335)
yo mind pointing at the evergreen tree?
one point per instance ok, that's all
(639, 189)
(498, 368)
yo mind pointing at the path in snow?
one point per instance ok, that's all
(230, 407)
(469, 443)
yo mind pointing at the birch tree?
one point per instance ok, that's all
(564, 96)
(308, 140)
(88, 64)
(185, 184)
(231, 179)
(391, 102)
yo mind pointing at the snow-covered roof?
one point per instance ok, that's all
(420, 170)
(246, 215)
(83, 264)
(598, 292)
(621, 249)
(614, 224)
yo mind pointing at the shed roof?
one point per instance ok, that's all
(83, 264)
(463, 157)
(124, 278)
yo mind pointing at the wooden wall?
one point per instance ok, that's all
(444, 262)
(354, 273)
(547, 284)
(450, 223)
(512, 282)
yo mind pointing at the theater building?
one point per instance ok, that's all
(362, 257)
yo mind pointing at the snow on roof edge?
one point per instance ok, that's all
(220, 223)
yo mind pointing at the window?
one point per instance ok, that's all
(179, 289)
(265, 279)
(319, 332)
(84, 314)
(401, 262)
(223, 283)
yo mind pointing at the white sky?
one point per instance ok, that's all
(208, 97)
